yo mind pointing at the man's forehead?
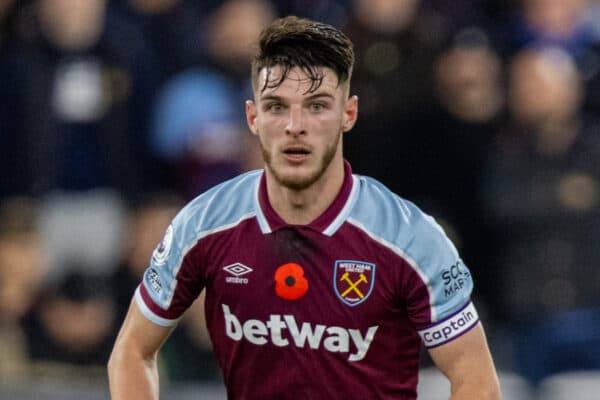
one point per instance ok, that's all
(296, 79)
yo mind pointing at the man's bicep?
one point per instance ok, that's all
(467, 360)
(132, 367)
(140, 334)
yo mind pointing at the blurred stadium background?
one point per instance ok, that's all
(114, 113)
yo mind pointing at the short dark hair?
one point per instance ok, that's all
(309, 45)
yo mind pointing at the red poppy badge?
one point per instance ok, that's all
(290, 283)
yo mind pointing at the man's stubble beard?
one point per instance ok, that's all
(301, 183)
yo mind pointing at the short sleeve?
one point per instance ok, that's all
(170, 283)
(440, 304)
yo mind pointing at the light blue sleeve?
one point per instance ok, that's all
(420, 241)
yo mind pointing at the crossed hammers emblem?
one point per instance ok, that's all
(353, 285)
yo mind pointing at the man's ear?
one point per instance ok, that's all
(350, 113)
(251, 116)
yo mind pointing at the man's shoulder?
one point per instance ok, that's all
(389, 216)
(376, 201)
(224, 204)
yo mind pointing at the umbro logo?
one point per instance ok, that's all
(236, 271)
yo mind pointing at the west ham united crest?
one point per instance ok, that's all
(353, 280)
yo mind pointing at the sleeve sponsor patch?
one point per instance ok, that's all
(450, 328)
(455, 278)
(152, 279)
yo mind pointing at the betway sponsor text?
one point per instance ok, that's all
(283, 330)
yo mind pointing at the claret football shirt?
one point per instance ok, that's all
(336, 309)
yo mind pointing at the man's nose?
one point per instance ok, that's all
(295, 125)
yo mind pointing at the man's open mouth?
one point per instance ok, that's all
(296, 151)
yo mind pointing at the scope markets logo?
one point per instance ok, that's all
(455, 278)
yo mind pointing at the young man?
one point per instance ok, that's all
(320, 284)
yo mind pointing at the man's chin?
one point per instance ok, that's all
(297, 177)
(295, 180)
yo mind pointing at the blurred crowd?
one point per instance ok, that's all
(115, 113)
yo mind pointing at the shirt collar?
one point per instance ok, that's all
(323, 223)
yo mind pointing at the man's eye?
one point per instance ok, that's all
(275, 107)
(317, 106)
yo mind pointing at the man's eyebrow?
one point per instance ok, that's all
(319, 95)
(270, 97)
(314, 96)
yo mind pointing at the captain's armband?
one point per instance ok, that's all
(450, 328)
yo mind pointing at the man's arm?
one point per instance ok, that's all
(132, 367)
(468, 364)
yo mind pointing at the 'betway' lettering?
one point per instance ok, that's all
(450, 328)
(333, 338)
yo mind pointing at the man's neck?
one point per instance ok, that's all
(301, 207)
